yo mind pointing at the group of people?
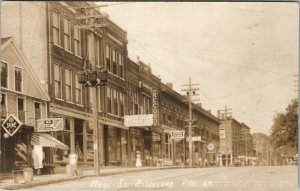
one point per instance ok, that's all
(205, 163)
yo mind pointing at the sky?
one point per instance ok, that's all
(243, 54)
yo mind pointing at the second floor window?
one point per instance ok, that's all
(77, 42)
(121, 66)
(68, 84)
(3, 106)
(115, 102)
(21, 111)
(78, 97)
(67, 34)
(108, 100)
(121, 104)
(114, 56)
(55, 28)
(37, 110)
(107, 56)
(57, 80)
(18, 79)
(4, 75)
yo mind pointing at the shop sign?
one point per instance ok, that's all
(196, 138)
(155, 108)
(210, 146)
(177, 134)
(49, 124)
(138, 120)
(222, 133)
(11, 124)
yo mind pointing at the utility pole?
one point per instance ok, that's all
(226, 112)
(191, 91)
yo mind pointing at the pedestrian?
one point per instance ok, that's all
(205, 162)
(200, 162)
(138, 162)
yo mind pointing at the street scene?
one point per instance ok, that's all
(149, 95)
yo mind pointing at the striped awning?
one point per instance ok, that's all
(46, 140)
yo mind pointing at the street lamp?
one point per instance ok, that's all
(94, 78)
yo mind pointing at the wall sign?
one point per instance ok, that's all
(155, 108)
(49, 124)
(138, 120)
(11, 124)
(177, 134)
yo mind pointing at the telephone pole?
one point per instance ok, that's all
(226, 113)
(191, 91)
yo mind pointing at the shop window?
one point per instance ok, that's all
(63, 136)
(78, 91)
(37, 110)
(97, 52)
(56, 28)
(124, 143)
(4, 75)
(21, 110)
(107, 56)
(18, 79)
(111, 143)
(3, 106)
(89, 145)
(57, 80)
(68, 84)
(67, 34)
(77, 42)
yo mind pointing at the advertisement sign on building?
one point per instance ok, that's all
(11, 124)
(177, 134)
(196, 138)
(210, 146)
(155, 108)
(138, 120)
(49, 124)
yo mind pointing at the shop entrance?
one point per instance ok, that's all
(168, 149)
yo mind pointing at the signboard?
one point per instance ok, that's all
(11, 124)
(138, 120)
(155, 108)
(49, 124)
(222, 133)
(210, 146)
(197, 138)
(177, 134)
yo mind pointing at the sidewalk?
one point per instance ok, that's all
(54, 178)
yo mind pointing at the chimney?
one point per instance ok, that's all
(170, 85)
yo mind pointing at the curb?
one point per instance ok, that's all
(40, 183)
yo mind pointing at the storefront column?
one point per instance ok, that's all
(29, 152)
(84, 140)
(101, 144)
(129, 147)
(72, 136)
(174, 152)
(231, 159)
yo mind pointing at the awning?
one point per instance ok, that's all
(46, 140)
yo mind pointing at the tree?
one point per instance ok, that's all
(284, 132)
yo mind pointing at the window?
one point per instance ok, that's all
(4, 75)
(114, 62)
(136, 101)
(67, 34)
(78, 91)
(18, 79)
(121, 66)
(99, 98)
(57, 80)
(97, 52)
(107, 55)
(108, 100)
(37, 110)
(121, 104)
(68, 84)
(77, 42)
(55, 28)
(3, 106)
(21, 111)
(115, 102)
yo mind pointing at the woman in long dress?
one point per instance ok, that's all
(138, 162)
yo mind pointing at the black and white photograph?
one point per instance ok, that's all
(149, 95)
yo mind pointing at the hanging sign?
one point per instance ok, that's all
(177, 134)
(155, 108)
(210, 146)
(11, 124)
(138, 120)
(49, 124)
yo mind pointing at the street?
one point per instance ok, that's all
(218, 178)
